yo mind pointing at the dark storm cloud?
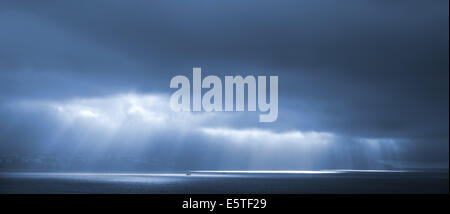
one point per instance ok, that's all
(369, 69)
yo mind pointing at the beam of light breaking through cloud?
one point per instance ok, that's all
(135, 123)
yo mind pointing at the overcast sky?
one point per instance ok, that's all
(362, 84)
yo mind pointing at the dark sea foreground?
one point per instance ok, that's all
(291, 182)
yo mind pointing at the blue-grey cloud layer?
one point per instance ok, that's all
(358, 69)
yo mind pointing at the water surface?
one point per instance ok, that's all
(295, 182)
